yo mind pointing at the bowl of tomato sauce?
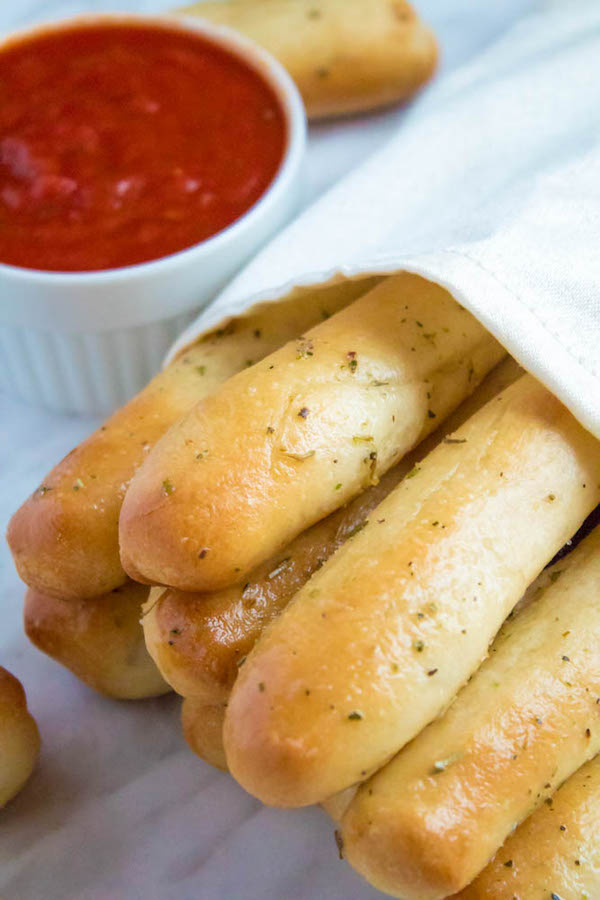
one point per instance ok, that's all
(143, 160)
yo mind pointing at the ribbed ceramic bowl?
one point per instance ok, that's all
(87, 341)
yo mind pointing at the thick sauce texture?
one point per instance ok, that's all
(125, 143)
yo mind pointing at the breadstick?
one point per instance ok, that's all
(427, 823)
(64, 538)
(203, 730)
(283, 444)
(346, 56)
(381, 638)
(199, 640)
(19, 738)
(554, 853)
(99, 639)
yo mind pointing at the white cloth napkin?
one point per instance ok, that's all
(491, 188)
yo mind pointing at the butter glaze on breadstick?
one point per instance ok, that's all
(427, 823)
(64, 538)
(554, 853)
(381, 638)
(346, 56)
(284, 443)
(99, 639)
(19, 738)
(199, 640)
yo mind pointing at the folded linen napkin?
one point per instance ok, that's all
(492, 188)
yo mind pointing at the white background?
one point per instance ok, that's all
(119, 808)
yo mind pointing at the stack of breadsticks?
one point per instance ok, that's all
(330, 509)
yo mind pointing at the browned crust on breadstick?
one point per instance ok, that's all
(428, 822)
(199, 640)
(19, 737)
(64, 538)
(346, 56)
(554, 853)
(341, 680)
(284, 443)
(99, 639)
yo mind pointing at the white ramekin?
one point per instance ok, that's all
(85, 342)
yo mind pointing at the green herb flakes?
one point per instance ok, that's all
(304, 348)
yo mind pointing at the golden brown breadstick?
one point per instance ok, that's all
(554, 853)
(19, 738)
(382, 637)
(427, 823)
(64, 538)
(284, 443)
(203, 730)
(346, 56)
(99, 639)
(199, 640)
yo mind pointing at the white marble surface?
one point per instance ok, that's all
(118, 807)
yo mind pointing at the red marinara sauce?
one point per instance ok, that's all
(122, 143)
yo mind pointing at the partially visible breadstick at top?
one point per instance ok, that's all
(284, 443)
(346, 56)
(64, 538)
(199, 640)
(428, 823)
(382, 637)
